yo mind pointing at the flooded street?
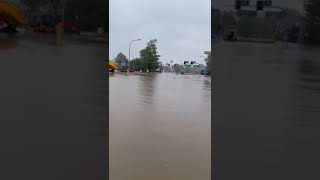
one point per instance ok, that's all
(160, 127)
(53, 109)
(266, 111)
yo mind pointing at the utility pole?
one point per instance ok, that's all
(130, 46)
(130, 50)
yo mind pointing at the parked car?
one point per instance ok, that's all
(71, 28)
(8, 28)
(68, 28)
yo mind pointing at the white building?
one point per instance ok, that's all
(260, 5)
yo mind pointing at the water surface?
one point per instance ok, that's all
(159, 127)
(52, 110)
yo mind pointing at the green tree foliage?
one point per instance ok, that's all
(135, 64)
(55, 6)
(90, 14)
(122, 61)
(34, 4)
(216, 21)
(101, 14)
(149, 58)
(313, 20)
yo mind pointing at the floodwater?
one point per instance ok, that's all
(159, 127)
(266, 111)
(53, 110)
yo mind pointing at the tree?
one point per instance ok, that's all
(135, 64)
(90, 14)
(122, 61)
(313, 20)
(102, 13)
(33, 4)
(149, 58)
(55, 6)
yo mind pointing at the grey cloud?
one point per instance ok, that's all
(182, 27)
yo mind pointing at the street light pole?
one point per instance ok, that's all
(130, 46)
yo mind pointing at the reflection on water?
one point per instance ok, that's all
(159, 127)
(53, 102)
(308, 93)
(147, 87)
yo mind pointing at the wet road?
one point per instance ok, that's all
(160, 127)
(53, 110)
(266, 112)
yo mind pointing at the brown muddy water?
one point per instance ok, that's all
(53, 110)
(159, 127)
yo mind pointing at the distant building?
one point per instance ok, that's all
(259, 5)
(258, 19)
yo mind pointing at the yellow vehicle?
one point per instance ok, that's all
(112, 66)
(12, 14)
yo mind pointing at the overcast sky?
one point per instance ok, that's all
(182, 27)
